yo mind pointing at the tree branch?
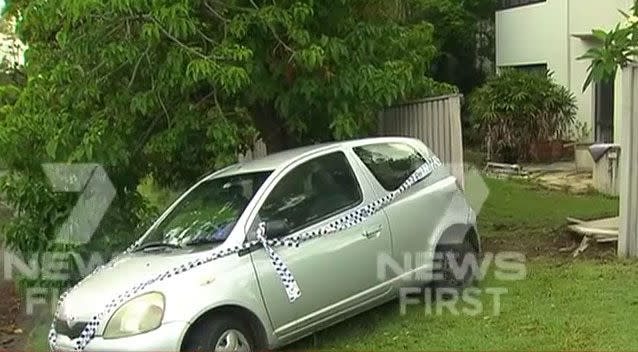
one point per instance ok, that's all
(148, 60)
(180, 44)
(215, 13)
(112, 72)
(168, 117)
(184, 46)
(137, 65)
(207, 38)
(239, 8)
(202, 100)
(274, 32)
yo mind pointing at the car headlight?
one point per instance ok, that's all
(140, 314)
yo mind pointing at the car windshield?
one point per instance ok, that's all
(207, 214)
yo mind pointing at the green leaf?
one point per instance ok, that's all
(51, 148)
(600, 34)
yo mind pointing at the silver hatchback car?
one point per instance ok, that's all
(238, 302)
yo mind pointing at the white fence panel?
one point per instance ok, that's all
(628, 227)
(258, 151)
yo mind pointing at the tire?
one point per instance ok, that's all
(444, 275)
(218, 331)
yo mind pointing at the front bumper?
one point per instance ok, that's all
(168, 337)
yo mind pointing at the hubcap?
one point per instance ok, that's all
(232, 341)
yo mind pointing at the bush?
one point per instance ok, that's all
(516, 110)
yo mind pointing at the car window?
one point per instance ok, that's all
(208, 213)
(390, 163)
(313, 191)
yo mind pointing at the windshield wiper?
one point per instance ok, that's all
(203, 241)
(156, 244)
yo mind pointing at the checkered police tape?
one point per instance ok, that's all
(293, 292)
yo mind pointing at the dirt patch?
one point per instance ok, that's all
(570, 181)
(547, 244)
(14, 324)
(561, 176)
(13, 320)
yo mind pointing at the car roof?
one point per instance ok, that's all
(280, 159)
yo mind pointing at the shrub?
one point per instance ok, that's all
(515, 110)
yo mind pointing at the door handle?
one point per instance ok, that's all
(373, 232)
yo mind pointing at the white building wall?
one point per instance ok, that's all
(534, 34)
(586, 15)
(557, 33)
(11, 48)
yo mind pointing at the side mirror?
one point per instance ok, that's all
(277, 228)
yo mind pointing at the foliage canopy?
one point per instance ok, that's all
(464, 33)
(174, 88)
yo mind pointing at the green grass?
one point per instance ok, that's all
(38, 337)
(562, 304)
(514, 206)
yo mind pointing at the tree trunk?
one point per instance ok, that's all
(271, 128)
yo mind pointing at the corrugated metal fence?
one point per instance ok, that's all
(259, 150)
(628, 226)
(435, 121)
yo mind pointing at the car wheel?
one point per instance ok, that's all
(220, 334)
(449, 257)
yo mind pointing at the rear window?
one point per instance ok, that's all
(390, 163)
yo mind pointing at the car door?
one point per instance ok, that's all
(414, 215)
(333, 271)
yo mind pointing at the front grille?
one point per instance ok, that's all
(73, 331)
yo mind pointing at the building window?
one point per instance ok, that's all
(508, 4)
(540, 69)
(604, 112)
